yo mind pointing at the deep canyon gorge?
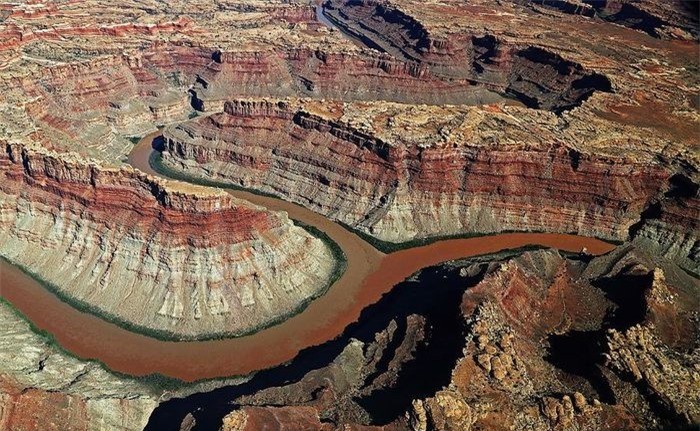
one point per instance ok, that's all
(349, 214)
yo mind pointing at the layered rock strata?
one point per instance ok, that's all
(43, 387)
(479, 70)
(328, 74)
(535, 75)
(545, 343)
(166, 258)
(90, 107)
(441, 179)
(620, 75)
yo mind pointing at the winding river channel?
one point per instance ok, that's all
(369, 275)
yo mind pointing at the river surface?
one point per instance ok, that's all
(369, 275)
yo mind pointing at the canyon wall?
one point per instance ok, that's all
(610, 149)
(168, 258)
(473, 70)
(326, 74)
(397, 190)
(535, 340)
(670, 223)
(92, 106)
(534, 75)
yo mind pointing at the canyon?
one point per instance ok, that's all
(441, 179)
(390, 214)
(213, 265)
(538, 340)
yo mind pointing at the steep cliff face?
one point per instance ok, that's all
(397, 189)
(669, 224)
(546, 346)
(667, 19)
(538, 341)
(675, 19)
(167, 258)
(531, 74)
(382, 26)
(319, 73)
(472, 71)
(609, 150)
(544, 80)
(90, 107)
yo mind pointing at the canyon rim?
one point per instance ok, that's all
(243, 215)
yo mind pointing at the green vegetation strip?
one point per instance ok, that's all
(159, 383)
(390, 247)
(91, 309)
(155, 381)
(163, 335)
(155, 160)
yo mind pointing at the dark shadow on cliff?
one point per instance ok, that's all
(580, 353)
(628, 15)
(434, 360)
(436, 293)
(158, 143)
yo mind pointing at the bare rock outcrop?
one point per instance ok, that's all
(38, 381)
(550, 344)
(672, 378)
(560, 115)
(171, 259)
(355, 164)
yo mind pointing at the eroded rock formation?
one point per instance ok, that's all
(546, 342)
(38, 381)
(173, 259)
(586, 122)
(452, 174)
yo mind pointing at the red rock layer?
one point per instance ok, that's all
(173, 259)
(129, 198)
(317, 73)
(14, 37)
(398, 191)
(547, 343)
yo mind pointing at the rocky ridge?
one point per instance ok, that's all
(611, 82)
(177, 260)
(511, 368)
(400, 172)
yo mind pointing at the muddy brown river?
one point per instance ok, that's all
(369, 274)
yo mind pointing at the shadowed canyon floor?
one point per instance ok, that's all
(338, 183)
(493, 362)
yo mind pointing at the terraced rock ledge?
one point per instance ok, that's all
(461, 170)
(165, 258)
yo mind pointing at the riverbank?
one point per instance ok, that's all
(369, 275)
(159, 167)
